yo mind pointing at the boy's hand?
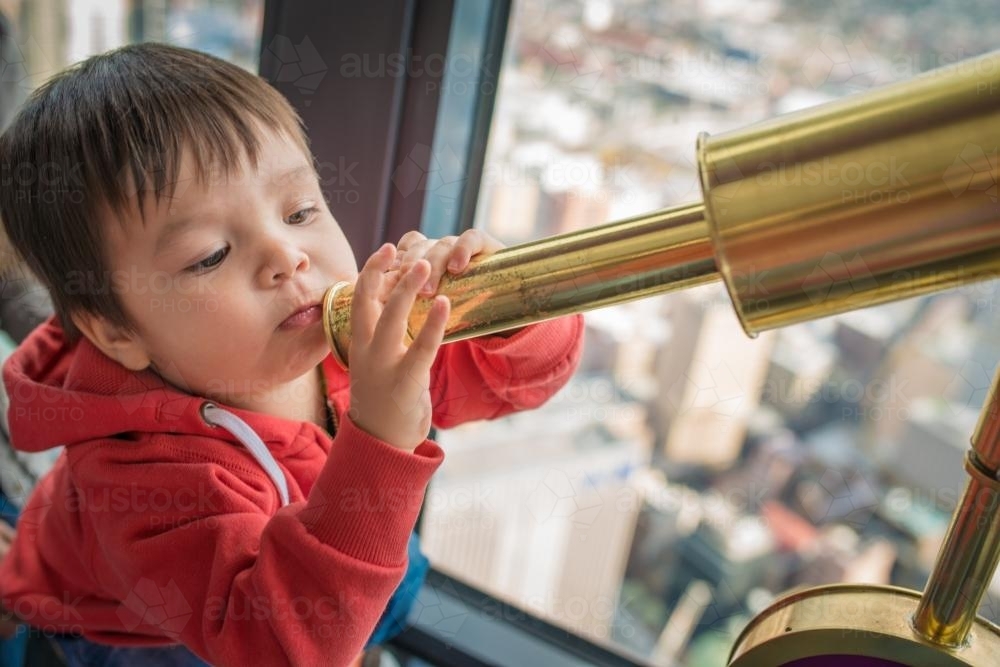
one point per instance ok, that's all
(451, 254)
(390, 397)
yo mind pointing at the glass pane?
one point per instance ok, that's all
(229, 29)
(688, 474)
(51, 34)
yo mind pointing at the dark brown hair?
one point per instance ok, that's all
(103, 134)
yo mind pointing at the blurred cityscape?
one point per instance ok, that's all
(688, 475)
(51, 34)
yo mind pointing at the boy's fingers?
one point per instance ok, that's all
(390, 279)
(366, 304)
(438, 258)
(409, 239)
(424, 347)
(413, 253)
(391, 328)
(407, 243)
(470, 244)
(459, 259)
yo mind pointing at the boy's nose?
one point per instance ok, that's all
(282, 263)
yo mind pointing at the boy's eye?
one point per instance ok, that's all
(301, 216)
(209, 262)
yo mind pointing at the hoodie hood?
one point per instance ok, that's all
(61, 394)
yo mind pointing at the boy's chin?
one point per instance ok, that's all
(308, 356)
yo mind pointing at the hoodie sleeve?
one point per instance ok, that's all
(197, 550)
(491, 376)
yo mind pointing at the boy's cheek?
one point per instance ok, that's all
(183, 306)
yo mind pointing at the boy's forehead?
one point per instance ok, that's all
(194, 184)
(277, 159)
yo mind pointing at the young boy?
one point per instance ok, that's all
(178, 222)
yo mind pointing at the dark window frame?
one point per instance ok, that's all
(373, 104)
(374, 122)
(472, 628)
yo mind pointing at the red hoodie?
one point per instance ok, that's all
(158, 527)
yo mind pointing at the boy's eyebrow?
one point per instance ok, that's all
(175, 228)
(284, 177)
(172, 230)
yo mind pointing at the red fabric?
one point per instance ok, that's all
(155, 527)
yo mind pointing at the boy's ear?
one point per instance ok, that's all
(123, 346)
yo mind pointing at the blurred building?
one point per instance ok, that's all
(932, 451)
(799, 368)
(95, 26)
(597, 121)
(513, 207)
(549, 531)
(713, 376)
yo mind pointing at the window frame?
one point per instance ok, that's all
(398, 113)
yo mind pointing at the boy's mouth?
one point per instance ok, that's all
(304, 316)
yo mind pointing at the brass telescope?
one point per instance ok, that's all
(861, 201)
(865, 200)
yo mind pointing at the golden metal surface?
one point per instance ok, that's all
(986, 440)
(969, 554)
(876, 622)
(856, 620)
(870, 199)
(621, 261)
(965, 565)
(864, 200)
(336, 318)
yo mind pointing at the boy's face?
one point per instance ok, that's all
(213, 275)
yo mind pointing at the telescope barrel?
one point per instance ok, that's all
(865, 200)
(600, 266)
(969, 554)
(861, 201)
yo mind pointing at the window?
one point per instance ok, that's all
(687, 474)
(52, 34)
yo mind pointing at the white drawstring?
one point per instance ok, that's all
(216, 416)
